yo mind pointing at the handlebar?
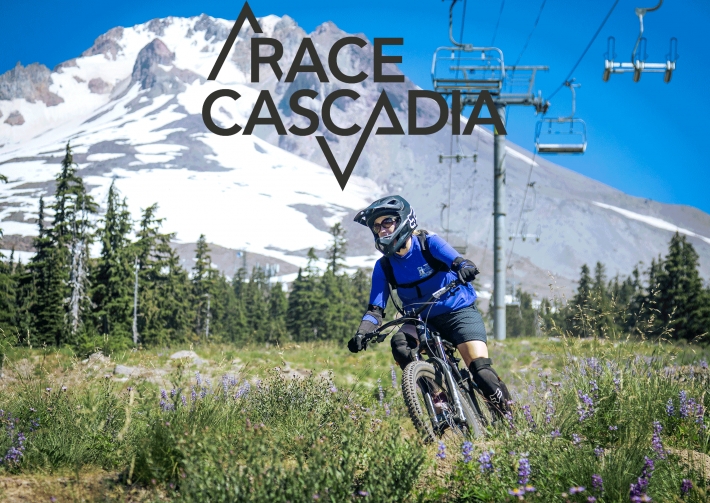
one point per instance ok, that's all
(412, 315)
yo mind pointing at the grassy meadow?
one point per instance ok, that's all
(594, 420)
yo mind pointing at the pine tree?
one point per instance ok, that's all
(278, 306)
(163, 290)
(681, 295)
(113, 288)
(578, 315)
(201, 285)
(8, 309)
(306, 303)
(338, 247)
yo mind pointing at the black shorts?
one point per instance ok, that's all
(460, 326)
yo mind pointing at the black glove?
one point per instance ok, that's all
(369, 323)
(466, 270)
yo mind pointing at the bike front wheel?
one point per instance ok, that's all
(430, 403)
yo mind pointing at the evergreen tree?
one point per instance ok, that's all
(338, 247)
(7, 295)
(113, 289)
(306, 303)
(202, 279)
(521, 321)
(578, 318)
(278, 306)
(681, 296)
(163, 287)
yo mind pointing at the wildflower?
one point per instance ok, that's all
(316, 496)
(394, 377)
(656, 443)
(617, 384)
(613, 428)
(243, 390)
(576, 439)
(586, 409)
(225, 384)
(32, 409)
(193, 395)
(703, 365)
(333, 389)
(598, 452)
(555, 434)
(591, 499)
(670, 410)
(523, 471)
(64, 388)
(577, 489)
(467, 451)
(387, 409)
(529, 489)
(593, 386)
(597, 483)
(48, 390)
(363, 493)
(184, 400)
(519, 493)
(380, 391)
(685, 487)
(683, 404)
(173, 392)
(198, 378)
(163, 394)
(528, 416)
(441, 454)
(549, 411)
(509, 417)
(484, 461)
(203, 393)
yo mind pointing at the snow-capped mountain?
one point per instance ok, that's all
(131, 106)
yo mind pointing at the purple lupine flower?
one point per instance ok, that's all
(184, 400)
(509, 416)
(387, 409)
(700, 414)
(394, 377)
(656, 442)
(163, 394)
(467, 451)
(225, 384)
(485, 462)
(193, 395)
(683, 404)
(593, 386)
(333, 389)
(576, 439)
(528, 416)
(670, 410)
(203, 393)
(233, 381)
(591, 499)
(173, 392)
(380, 391)
(598, 452)
(613, 427)
(577, 489)
(555, 434)
(597, 483)
(208, 383)
(523, 471)
(703, 364)
(586, 409)
(243, 390)
(685, 487)
(198, 378)
(549, 411)
(363, 493)
(617, 384)
(441, 454)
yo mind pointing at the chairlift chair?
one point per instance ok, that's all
(638, 64)
(562, 135)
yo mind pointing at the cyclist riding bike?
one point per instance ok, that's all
(416, 264)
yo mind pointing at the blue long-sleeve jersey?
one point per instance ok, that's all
(412, 267)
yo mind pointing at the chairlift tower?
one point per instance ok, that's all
(470, 70)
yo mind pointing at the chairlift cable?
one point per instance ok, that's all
(495, 32)
(585, 51)
(542, 6)
(520, 215)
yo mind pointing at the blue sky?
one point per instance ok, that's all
(645, 139)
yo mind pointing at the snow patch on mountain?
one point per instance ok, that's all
(653, 221)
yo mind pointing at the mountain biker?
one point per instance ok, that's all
(418, 266)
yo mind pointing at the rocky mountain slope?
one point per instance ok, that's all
(131, 107)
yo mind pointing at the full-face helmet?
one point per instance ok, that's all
(394, 206)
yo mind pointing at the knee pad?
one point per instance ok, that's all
(490, 384)
(402, 347)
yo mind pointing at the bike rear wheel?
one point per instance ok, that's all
(422, 386)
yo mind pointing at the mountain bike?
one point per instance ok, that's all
(440, 396)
